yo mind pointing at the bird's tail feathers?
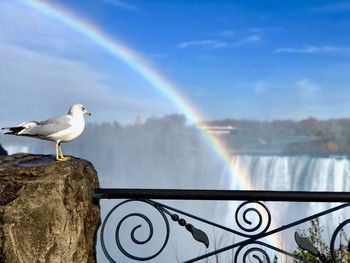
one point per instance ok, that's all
(18, 130)
(13, 130)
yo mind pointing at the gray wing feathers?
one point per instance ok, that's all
(49, 126)
(57, 120)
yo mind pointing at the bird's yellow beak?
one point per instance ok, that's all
(86, 112)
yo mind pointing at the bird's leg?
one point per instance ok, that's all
(62, 158)
(57, 157)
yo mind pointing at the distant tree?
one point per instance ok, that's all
(331, 146)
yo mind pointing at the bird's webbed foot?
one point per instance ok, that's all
(63, 158)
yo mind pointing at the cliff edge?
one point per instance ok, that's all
(46, 209)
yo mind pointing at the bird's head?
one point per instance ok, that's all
(78, 109)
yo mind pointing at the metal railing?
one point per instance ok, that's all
(252, 203)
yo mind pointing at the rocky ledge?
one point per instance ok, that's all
(46, 209)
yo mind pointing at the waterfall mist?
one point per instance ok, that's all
(169, 153)
(160, 153)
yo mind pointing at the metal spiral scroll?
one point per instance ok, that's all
(253, 226)
(132, 234)
(257, 253)
(334, 236)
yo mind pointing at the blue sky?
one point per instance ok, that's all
(231, 59)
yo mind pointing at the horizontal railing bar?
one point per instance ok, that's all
(223, 195)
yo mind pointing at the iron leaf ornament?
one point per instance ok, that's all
(198, 235)
(304, 243)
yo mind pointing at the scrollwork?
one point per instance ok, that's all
(261, 213)
(133, 237)
(334, 236)
(256, 253)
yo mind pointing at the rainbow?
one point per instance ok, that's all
(149, 74)
(153, 77)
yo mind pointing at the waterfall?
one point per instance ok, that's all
(292, 172)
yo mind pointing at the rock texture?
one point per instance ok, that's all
(46, 209)
(3, 152)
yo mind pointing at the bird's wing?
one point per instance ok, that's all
(50, 126)
(57, 120)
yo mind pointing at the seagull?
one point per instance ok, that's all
(58, 129)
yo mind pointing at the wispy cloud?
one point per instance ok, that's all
(48, 79)
(313, 49)
(213, 43)
(265, 29)
(285, 97)
(261, 87)
(307, 88)
(301, 88)
(55, 83)
(122, 5)
(24, 27)
(225, 33)
(332, 7)
(202, 43)
(248, 40)
(158, 55)
(35, 65)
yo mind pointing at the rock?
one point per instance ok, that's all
(3, 152)
(46, 209)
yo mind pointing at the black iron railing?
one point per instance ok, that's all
(250, 242)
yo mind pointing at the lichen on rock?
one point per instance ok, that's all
(46, 209)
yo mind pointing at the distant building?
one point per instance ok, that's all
(262, 141)
(138, 120)
(219, 129)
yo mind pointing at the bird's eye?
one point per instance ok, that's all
(83, 108)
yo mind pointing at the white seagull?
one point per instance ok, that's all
(58, 129)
